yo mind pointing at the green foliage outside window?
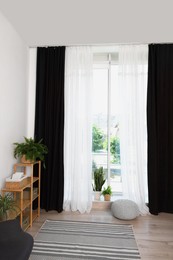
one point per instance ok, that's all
(98, 138)
(115, 148)
(100, 142)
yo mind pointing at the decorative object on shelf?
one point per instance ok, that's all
(125, 209)
(107, 192)
(7, 204)
(30, 151)
(16, 183)
(99, 181)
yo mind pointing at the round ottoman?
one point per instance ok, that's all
(125, 209)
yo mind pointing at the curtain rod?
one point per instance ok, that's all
(92, 45)
(99, 44)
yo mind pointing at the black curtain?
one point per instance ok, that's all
(49, 123)
(160, 128)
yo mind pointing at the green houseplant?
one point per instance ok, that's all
(99, 181)
(7, 204)
(30, 150)
(107, 192)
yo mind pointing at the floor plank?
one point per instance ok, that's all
(154, 234)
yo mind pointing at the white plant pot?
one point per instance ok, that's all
(97, 195)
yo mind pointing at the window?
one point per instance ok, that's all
(106, 128)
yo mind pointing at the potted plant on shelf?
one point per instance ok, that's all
(99, 181)
(107, 192)
(29, 151)
(7, 204)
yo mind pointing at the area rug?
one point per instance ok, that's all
(64, 240)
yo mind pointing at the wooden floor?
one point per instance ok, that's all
(154, 234)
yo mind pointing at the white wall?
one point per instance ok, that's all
(13, 94)
(31, 92)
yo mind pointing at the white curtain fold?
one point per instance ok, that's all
(78, 129)
(132, 93)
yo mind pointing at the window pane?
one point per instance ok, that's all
(115, 164)
(100, 94)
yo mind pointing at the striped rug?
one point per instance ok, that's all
(63, 240)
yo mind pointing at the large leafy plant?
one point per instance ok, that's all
(99, 179)
(31, 149)
(7, 203)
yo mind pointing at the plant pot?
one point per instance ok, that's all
(107, 197)
(24, 160)
(97, 195)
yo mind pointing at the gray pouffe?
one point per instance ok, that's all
(125, 209)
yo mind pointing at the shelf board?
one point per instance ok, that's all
(25, 222)
(34, 197)
(34, 214)
(26, 203)
(35, 179)
(24, 229)
(26, 164)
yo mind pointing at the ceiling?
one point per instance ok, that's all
(72, 22)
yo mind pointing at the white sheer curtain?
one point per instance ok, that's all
(78, 129)
(133, 69)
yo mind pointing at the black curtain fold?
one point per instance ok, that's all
(160, 128)
(49, 123)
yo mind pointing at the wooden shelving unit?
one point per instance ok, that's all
(24, 206)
